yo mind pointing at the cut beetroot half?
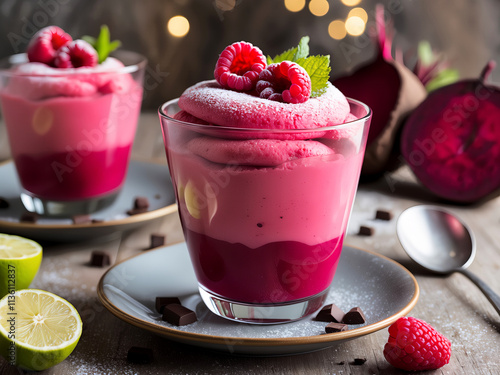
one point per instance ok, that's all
(391, 90)
(452, 140)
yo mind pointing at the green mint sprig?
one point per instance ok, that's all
(318, 67)
(103, 44)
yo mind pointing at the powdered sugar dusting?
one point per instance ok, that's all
(208, 101)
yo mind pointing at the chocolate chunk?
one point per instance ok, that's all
(99, 259)
(366, 231)
(156, 240)
(359, 361)
(330, 313)
(136, 211)
(354, 316)
(81, 219)
(335, 327)
(4, 203)
(178, 315)
(141, 202)
(161, 302)
(383, 215)
(29, 217)
(324, 314)
(139, 355)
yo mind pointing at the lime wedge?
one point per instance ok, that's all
(20, 260)
(37, 329)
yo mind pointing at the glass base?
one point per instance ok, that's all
(66, 208)
(272, 313)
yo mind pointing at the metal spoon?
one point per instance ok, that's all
(439, 242)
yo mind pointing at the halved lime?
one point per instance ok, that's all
(20, 260)
(37, 329)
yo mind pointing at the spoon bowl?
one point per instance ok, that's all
(436, 239)
(440, 242)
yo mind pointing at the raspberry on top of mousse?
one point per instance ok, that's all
(292, 77)
(54, 47)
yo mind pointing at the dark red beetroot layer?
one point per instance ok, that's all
(74, 175)
(275, 272)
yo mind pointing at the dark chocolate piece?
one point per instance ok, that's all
(141, 202)
(99, 259)
(4, 203)
(383, 215)
(29, 217)
(178, 315)
(366, 231)
(135, 211)
(81, 219)
(139, 355)
(157, 240)
(324, 314)
(354, 316)
(359, 361)
(161, 302)
(335, 327)
(330, 313)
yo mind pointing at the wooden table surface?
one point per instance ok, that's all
(453, 305)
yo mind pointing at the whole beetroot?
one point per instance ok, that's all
(451, 141)
(391, 90)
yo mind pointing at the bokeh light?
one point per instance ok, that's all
(225, 5)
(358, 12)
(178, 26)
(295, 5)
(355, 26)
(319, 7)
(350, 3)
(336, 29)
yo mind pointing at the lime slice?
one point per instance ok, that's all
(37, 329)
(20, 260)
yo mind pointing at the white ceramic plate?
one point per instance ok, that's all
(143, 179)
(383, 289)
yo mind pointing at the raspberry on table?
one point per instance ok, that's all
(76, 54)
(238, 66)
(415, 345)
(45, 44)
(284, 82)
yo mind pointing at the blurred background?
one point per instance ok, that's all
(182, 38)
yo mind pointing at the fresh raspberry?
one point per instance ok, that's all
(76, 54)
(414, 345)
(238, 66)
(284, 82)
(45, 43)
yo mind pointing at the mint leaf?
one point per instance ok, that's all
(318, 68)
(102, 44)
(293, 54)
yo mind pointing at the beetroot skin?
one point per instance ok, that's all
(452, 140)
(391, 90)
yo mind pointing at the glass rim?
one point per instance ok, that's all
(21, 58)
(344, 125)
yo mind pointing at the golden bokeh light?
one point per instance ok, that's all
(336, 29)
(295, 5)
(319, 7)
(350, 3)
(355, 26)
(178, 26)
(358, 12)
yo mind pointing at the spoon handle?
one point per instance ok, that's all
(488, 292)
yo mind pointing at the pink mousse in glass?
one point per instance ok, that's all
(71, 130)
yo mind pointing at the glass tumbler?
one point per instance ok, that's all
(264, 212)
(71, 131)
